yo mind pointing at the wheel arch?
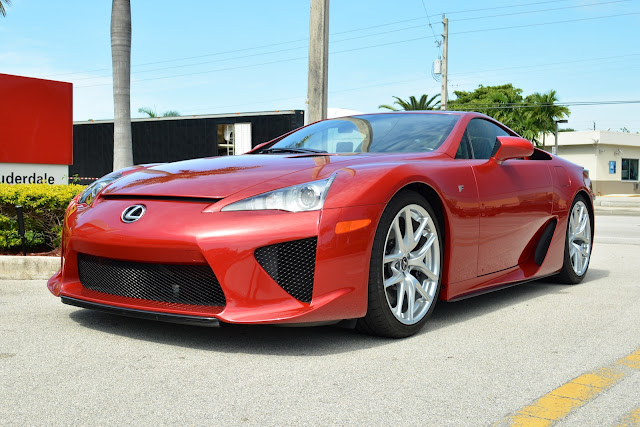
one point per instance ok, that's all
(587, 197)
(435, 200)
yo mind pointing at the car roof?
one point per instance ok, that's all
(442, 112)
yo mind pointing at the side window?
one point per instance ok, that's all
(463, 149)
(482, 136)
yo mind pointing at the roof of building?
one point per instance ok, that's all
(597, 137)
(201, 116)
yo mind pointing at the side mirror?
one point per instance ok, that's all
(511, 147)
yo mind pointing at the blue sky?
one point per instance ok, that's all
(205, 57)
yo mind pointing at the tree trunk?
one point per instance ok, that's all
(121, 60)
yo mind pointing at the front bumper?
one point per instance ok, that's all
(184, 233)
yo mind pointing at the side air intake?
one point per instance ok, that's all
(291, 265)
(545, 240)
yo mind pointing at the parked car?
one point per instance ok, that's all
(372, 217)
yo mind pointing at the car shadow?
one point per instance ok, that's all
(307, 341)
(449, 313)
(228, 338)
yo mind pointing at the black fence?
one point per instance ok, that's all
(168, 140)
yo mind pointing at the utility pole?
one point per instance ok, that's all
(554, 149)
(318, 83)
(445, 59)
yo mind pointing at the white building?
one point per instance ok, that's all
(611, 157)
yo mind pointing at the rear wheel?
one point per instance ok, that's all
(577, 251)
(405, 268)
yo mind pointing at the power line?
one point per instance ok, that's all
(260, 64)
(248, 48)
(369, 47)
(502, 7)
(546, 64)
(539, 10)
(467, 107)
(258, 47)
(256, 54)
(546, 23)
(280, 61)
(198, 63)
(513, 105)
(299, 97)
(424, 5)
(379, 25)
(333, 41)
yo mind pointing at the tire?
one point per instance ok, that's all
(578, 243)
(411, 270)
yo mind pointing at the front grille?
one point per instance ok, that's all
(172, 283)
(291, 265)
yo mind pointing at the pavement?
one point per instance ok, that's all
(42, 267)
(541, 349)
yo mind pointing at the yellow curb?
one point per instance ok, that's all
(632, 419)
(524, 421)
(632, 360)
(577, 391)
(558, 403)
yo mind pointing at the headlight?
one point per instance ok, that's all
(89, 194)
(303, 197)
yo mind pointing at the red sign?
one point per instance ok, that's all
(36, 121)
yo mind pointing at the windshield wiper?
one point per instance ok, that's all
(293, 150)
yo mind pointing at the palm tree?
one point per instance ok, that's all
(413, 104)
(524, 124)
(121, 60)
(153, 113)
(545, 111)
(3, 12)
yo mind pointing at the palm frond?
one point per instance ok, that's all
(148, 111)
(388, 107)
(3, 11)
(424, 103)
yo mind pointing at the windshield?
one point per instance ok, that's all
(374, 133)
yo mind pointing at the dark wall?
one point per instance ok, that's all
(160, 141)
(172, 140)
(92, 151)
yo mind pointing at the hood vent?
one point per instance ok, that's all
(207, 200)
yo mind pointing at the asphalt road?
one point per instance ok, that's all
(478, 362)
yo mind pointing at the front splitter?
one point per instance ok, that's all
(142, 314)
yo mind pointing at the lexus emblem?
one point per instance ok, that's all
(133, 213)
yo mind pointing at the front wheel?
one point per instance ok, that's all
(577, 251)
(405, 268)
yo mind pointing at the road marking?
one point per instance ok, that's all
(558, 403)
(632, 419)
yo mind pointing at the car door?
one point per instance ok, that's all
(515, 199)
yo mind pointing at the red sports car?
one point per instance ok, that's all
(370, 218)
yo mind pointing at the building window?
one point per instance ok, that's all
(629, 169)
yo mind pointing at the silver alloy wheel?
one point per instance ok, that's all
(579, 238)
(411, 265)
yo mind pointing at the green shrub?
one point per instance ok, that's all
(44, 206)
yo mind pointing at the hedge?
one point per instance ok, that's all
(44, 207)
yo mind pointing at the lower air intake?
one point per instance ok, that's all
(291, 265)
(172, 283)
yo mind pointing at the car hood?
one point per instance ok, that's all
(219, 177)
